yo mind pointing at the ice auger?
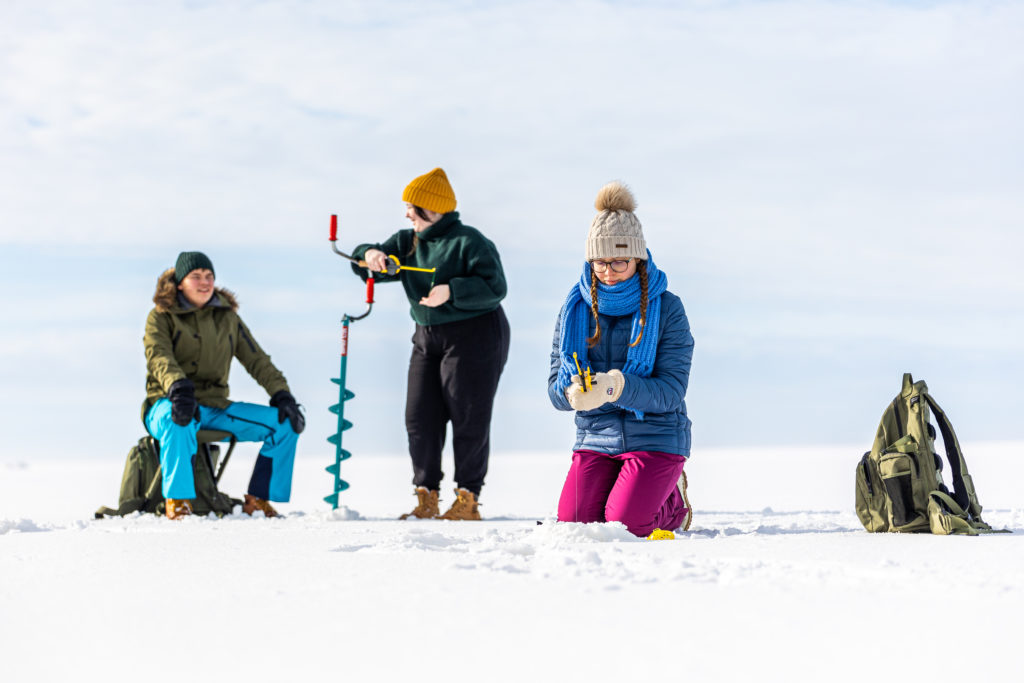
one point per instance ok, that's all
(344, 394)
(392, 266)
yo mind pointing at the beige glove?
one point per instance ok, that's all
(606, 387)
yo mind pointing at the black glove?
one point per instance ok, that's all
(288, 408)
(182, 395)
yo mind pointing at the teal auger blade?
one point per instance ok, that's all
(336, 438)
(348, 395)
(333, 498)
(336, 380)
(336, 408)
(336, 467)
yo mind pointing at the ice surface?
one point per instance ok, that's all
(776, 580)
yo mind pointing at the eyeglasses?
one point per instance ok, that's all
(617, 266)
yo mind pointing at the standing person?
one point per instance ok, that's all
(632, 432)
(191, 336)
(460, 344)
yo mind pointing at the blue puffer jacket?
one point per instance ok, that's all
(613, 428)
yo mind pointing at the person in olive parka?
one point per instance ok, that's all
(460, 345)
(191, 336)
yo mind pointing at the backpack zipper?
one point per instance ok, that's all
(867, 473)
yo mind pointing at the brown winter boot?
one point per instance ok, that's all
(176, 509)
(464, 508)
(252, 504)
(681, 485)
(426, 506)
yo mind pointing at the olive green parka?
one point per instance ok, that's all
(183, 341)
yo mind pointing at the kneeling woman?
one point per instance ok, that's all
(191, 336)
(632, 432)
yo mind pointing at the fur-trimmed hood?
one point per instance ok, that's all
(166, 296)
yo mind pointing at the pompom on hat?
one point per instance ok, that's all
(189, 261)
(431, 191)
(615, 232)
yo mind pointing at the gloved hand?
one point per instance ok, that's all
(288, 408)
(182, 396)
(606, 387)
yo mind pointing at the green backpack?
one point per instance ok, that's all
(899, 481)
(142, 481)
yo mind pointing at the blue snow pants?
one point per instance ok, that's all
(272, 474)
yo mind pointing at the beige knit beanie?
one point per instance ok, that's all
(615, 232)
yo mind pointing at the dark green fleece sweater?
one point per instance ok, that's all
(466, 261)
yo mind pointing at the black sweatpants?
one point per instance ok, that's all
(453, 376)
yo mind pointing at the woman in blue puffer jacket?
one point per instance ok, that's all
(632, 433)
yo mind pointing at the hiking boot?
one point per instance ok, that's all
(252, 504)
(426, 506)
(176, 509)
(681, 485)
(464, 507)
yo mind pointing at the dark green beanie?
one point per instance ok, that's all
(189, 261)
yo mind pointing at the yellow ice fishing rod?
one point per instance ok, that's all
(585, 375)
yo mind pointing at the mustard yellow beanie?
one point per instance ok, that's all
(431, 191)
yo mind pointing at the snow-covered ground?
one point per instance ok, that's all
(776, 581)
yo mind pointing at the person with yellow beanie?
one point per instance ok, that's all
(460, 344)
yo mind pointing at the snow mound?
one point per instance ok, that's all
(344, 514)
(16, 525)
(561, 534)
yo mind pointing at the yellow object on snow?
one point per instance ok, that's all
(661, 535)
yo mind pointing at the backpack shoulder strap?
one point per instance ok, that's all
(963, 486)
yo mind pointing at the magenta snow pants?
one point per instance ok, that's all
(636, 488)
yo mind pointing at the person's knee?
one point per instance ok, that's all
(282, 436)
(638, 524)
(170, 431)
(579, 516)
(571, 509)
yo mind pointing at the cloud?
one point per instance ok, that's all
(812, 176)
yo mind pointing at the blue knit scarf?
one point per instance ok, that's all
(617, 300)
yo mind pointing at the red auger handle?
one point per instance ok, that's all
(334, 228)
(369, 289)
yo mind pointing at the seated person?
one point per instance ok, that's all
(191, 336)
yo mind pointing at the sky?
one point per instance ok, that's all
(833, 189)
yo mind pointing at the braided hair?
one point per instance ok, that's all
(592, 341)
(641, 271)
